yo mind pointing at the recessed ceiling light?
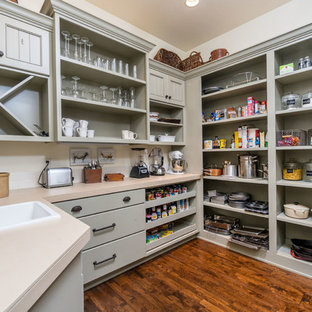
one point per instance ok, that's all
(191, 3)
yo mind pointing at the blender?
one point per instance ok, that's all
(139, 170)
(176, 163)
(157, 162)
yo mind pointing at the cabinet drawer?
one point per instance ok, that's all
(115, 224)
(90, 205)
(104, 259)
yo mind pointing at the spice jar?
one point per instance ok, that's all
(307, 171)
(292, 171)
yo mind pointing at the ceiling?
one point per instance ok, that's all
(183, 27)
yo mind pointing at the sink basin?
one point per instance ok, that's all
(28, 213)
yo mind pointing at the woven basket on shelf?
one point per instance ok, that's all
(193, 61)
(168, 57)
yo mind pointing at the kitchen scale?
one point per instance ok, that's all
(139, 170)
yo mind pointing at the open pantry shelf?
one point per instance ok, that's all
(293, 148)
(169, 199)
(233, 91)
(257, 149)
(284, 251)
(297, 111)
(236, 179)
(239, 210)
(100, 139)
(165, 124)
(180, 230)
(95, 73)
(96, 105)
(302, 184)
(296, 76)
(303, 222)
(174, 217)
(166, 143)
(235, 120)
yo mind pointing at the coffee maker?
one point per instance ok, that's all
(177, 164)
(156, 162)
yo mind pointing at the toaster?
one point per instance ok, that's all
(57, 177)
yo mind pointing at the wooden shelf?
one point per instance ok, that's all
(297, 111)
(302, 184)
(239, 210)
(234, 120)
(71, 67)
(295, 76)
(302, 222)
(165, 124)
(293, 148)
(95, 105)
(238, 90)
(177, 216)
(257, 149)
(167, 200)
(236, 179)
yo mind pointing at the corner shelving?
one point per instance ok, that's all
(303, 222)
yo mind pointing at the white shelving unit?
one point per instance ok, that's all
(236, 179)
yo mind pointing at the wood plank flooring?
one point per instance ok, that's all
(200, 276)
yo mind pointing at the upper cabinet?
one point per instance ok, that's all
(23, 46)
(166, 88)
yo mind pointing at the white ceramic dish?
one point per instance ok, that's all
(296, 211)
(166, 138)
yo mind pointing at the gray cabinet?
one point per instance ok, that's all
(24, 46)
(166, 88)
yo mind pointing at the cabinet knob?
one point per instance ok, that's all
(169, 97)
(127, 199)
(1, 53)
(166, 97)
(76, 209)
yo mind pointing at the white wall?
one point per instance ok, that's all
(35, 5)
(288, 17)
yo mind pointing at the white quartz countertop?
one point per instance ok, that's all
(32, 257)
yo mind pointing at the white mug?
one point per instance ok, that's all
(67, 122)
(90, 133)
(83, 124)
(67, 131)
(82, 132)
(132, 135)
(128, 135)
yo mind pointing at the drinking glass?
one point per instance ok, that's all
(66, 35)
(89, 44)
(119, 96)
(93, 94)
(80, 43)
(134, 71)
(126, 101)
(104, 93)
(84, 41)
(75, 91)
(113, 65)
(132, 97)
(113, 90)
(120, 67)
(76, 38)
(98, 61)
(63, 90)
(105, 62)
(126, 69)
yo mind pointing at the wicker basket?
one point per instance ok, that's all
(168, 57)
(193, 61)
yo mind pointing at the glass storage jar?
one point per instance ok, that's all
(307, 99)
(307, 171)
(292, 171)
(291, 101)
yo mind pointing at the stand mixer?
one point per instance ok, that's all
(157, 162)
(176, 163)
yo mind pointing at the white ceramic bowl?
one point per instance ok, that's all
(296, 211)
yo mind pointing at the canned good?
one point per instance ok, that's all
(222, 144)
(208, 144)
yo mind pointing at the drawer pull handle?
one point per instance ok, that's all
(76, 209)
(113, 257)
(1, 53)
(104, 228)
(127, 199)
(169, 97)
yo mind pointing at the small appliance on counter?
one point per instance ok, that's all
(176, 163)
(55, 177)
(139, 170)
(157, 162)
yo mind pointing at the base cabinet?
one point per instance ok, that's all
(66, 293)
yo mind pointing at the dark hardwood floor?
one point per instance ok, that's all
(200, 276)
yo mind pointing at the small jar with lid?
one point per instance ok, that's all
(307, 99)
(291, 101)
(307, 171)
(292, 171)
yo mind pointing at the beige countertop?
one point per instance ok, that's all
(33, 256)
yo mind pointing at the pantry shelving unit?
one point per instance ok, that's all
(265, 60)
(106, 118)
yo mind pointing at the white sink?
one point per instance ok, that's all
(28, 213)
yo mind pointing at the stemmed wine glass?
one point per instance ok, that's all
(80, 43)
(67, 38)
(84, 41)
(104, 94)
(76, 38)
(75, 86)
(132, 96)
(113, 90)
(89, 44)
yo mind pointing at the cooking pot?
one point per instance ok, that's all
(247, 166)
(264, 171)
(229, 170)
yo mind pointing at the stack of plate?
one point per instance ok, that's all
(239, 199)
